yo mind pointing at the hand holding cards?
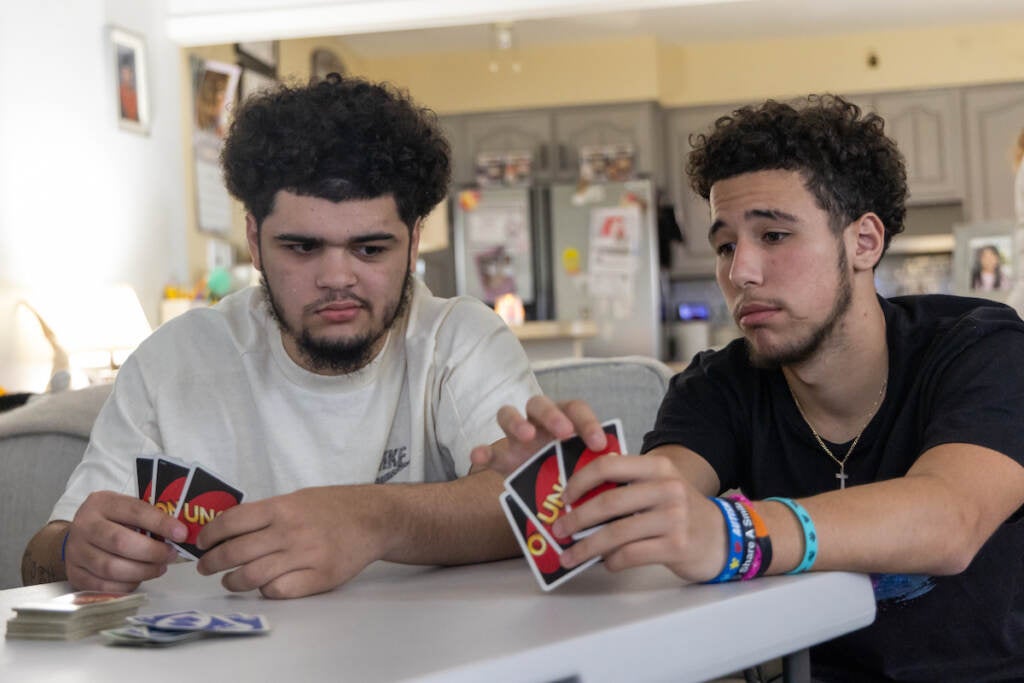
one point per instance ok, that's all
(189, 493)
(533, 501)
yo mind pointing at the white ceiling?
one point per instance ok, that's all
(375, 28)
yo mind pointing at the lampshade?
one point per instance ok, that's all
(434, 229)
(95, 327)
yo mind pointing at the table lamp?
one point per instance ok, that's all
(92, 330)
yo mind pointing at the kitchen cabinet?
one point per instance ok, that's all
(928, 129)
(692, 211)
(637, 125)
(994, 118)
(554, 137)
(454, 129)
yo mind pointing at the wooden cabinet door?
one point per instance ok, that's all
(511, 132)
(631, 124)
(454, 128)
(692, 210)
(994, 118)
(927, 126)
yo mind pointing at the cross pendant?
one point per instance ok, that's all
(842, 477)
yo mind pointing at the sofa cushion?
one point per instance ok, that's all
(41, 442)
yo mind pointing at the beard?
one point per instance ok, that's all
(341, 356)
(801, 350)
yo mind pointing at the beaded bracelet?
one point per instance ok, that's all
(734, 542)
(64, 545)
(810, 535)
(763, 554)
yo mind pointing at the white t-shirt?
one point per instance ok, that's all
(216, 386)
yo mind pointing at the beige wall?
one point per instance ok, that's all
(907, 60)
(582, 73)
(643, 69)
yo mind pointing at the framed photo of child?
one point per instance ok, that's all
(987, 259)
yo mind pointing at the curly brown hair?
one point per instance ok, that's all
(847, 162)
(338, 139)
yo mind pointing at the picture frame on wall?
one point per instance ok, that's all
(131, 86)
(987, 258)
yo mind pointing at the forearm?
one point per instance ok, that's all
(456, 522)
(932, 521)
(41, 562)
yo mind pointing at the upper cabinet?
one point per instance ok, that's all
(928, 129)
(692, 210)
(554, 137)
(994, 118)
(501, 133)
(635, 125)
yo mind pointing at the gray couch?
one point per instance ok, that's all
(40, 444)
(42, 441)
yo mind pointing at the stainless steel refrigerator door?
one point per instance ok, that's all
(500, 244)
(494, 251)
(616, 286)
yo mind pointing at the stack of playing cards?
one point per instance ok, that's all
(533, 501)
(179, 627)
(73, 615)
(190, 493)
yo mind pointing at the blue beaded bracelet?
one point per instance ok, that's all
(64, 545)
(734, 541)
(810, 535)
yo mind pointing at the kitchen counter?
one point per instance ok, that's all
(550, 339)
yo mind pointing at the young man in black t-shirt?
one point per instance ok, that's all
(887, 430)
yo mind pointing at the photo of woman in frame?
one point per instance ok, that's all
(989, 272)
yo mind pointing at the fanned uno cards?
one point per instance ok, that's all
(533, 501)
(205, 497)
(537, 488)
(573, 456)
(190, 493)
(540, 554)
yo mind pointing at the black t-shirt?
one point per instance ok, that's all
(956, 374)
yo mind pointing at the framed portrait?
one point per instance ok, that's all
(128, 64)
(987, 258)
(258, 55)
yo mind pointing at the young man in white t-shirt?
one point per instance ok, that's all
(340, 374)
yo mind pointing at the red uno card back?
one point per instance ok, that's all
(542, 556)
(206, 496)
(144, 478)
(169, 482)
(575, 456)
(537, 487)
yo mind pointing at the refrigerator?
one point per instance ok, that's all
(604, 247)
(500, 241)
(571, 252)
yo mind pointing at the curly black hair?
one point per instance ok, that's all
(847, 162)
(339, 138)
